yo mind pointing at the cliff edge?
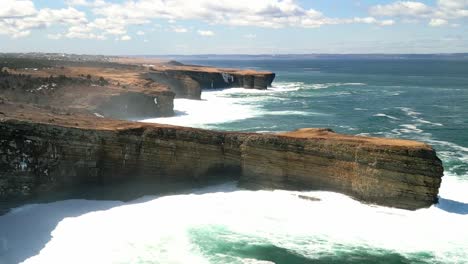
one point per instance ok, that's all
(187, 81)
(41, 151)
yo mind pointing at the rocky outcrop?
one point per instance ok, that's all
(392, 172)
(42, 151)
(188, 81)
(75, 91)
(181, 84)
(130, 105)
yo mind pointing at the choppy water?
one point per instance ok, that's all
(422, 100)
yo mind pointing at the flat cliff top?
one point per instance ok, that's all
(61, 117)
(168, 65)
(196, 68)
(131, 77)
(321, 133)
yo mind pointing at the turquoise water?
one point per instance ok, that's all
(415, 99)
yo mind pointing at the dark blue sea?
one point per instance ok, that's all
(425, 100)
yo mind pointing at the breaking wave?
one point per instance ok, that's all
(228, 225)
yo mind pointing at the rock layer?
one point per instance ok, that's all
(116, 96)
(41, 152)
(188, 81)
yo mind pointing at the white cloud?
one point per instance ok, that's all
(19, 17)
(54, 36)
(81, 32)
(437, 22)
(126, 38)
(442, 10)
(140, 33)
(108, 27)
(450, 9)
(258, 13)
(454, 4)
(401, 8)
(250, 36)
(206, 33)
(14, 8)
(388, 22)
(179, 29)
(21, 26)
(95, 3)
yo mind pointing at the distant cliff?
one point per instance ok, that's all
(188, 81)
(42, 151)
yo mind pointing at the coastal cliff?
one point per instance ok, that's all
(392, 172)
(121, 93)
(42, 151)
(188, 81)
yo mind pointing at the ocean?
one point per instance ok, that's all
(420, 99)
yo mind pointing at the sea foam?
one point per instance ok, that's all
(163, 229)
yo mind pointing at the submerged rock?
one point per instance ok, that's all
(309, 198)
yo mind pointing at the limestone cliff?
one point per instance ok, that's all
(122, 94)
(392, 172)
(188, 81)
(43, 151)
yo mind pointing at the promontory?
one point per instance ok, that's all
(67, 123)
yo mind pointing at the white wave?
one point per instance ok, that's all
(215, 107)
(454, 188)
(228, 105)
(416, 116)
(423, 121)
(451, 145)
(302, 113)
(387, 116)
(159, 229)
(295, 86)
(410, 128)
(329, 85)
(286, 86)
(408, 111)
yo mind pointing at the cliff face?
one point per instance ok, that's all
(182, 85)
(40, 153)
(391, 172)
(135, 105)
(107, 97)
(188, 81)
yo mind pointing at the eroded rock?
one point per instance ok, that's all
(37, 155)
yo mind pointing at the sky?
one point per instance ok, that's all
(161, 27)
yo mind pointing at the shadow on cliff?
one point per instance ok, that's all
(24, 231)
(452, 206)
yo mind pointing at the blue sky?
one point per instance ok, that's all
(124, 27)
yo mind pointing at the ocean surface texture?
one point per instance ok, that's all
(425, 100)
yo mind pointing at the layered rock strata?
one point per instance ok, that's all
(122, 94)
(41, 151)
(188, 81)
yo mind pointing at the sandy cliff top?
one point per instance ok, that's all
(322, 133)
